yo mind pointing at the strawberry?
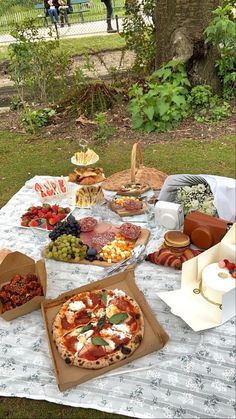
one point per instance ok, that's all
(52, 221)
(55, 208)
(33, 223)
(61, 210)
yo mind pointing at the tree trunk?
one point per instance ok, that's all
(179, 29)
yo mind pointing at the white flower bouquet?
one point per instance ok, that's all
(196, 198)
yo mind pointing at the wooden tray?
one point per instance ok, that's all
(124, 213)
(143, 239)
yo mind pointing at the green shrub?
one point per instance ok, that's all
(207, 107)
(37, 66)
(162, 102)
(222, 33)
(32, 120)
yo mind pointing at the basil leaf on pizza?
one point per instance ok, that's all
(118, 318)
(86, 328)
(88, 338)
(101, 322)
(103, 297)
(99, 341)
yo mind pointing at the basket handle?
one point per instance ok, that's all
(136, 157)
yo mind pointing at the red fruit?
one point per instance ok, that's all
(55, 208)
(61, 216)
(33, 223)
(49, 227)
(61, 210)
(47, 206)
(52, 221)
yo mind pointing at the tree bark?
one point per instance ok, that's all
(179, 30)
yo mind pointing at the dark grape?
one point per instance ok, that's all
(91, 253)
(68, 226)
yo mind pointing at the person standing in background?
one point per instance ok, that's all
(108, 4)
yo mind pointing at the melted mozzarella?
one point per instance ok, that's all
(76, 305)
(83, 337)
(111, 309)
(90, 303)
(119, 293)
(79, 346)
(111, 346)
(100, 312)
(121, 328)
(70, 315)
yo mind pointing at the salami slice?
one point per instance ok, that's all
(131, 205)
(87, 224)
(130, 231)
(100, 240)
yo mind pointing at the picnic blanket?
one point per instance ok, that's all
(192, 377)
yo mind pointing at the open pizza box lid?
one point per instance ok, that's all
(18, 263)
(154, 338)
(193, 308)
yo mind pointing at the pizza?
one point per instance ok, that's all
(98, 328)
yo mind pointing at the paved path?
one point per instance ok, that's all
(75, 30)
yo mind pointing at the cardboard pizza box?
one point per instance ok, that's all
(154, 338)
(192, 307)
(18, 263)
(3, 253)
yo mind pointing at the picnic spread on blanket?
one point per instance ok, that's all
(114, 291)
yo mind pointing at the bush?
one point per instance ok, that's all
(162, 102)
(37, 66)
(222, 33)
(207, 107)
(32, 120)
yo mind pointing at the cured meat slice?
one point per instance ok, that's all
(87, 223)
(130, 231)
(101, 239)
(131, 205)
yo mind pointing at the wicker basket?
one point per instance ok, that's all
(146, 177)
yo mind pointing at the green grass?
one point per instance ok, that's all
(24, 156)
(78, 46)
(17, 408)
(20, 12)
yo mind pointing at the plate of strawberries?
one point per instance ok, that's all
(44, 216)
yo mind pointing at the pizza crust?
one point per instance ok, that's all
(121, 339)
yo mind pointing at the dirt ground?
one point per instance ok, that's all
(118, 117)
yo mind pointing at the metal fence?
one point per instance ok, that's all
(90, 19)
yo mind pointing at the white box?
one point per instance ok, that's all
(193, 308)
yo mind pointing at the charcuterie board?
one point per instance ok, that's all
(128, 206)
(87, 240)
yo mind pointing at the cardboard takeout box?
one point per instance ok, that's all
(154, 338)
(18, 263)
(193, 308)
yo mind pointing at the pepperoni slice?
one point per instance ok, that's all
(95, 298)
(130, 231)
(65, 324)
(70, 343)
(93, 353)
(119, 341)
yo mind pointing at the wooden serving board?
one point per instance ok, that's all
(143, 239)
(124, 213)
